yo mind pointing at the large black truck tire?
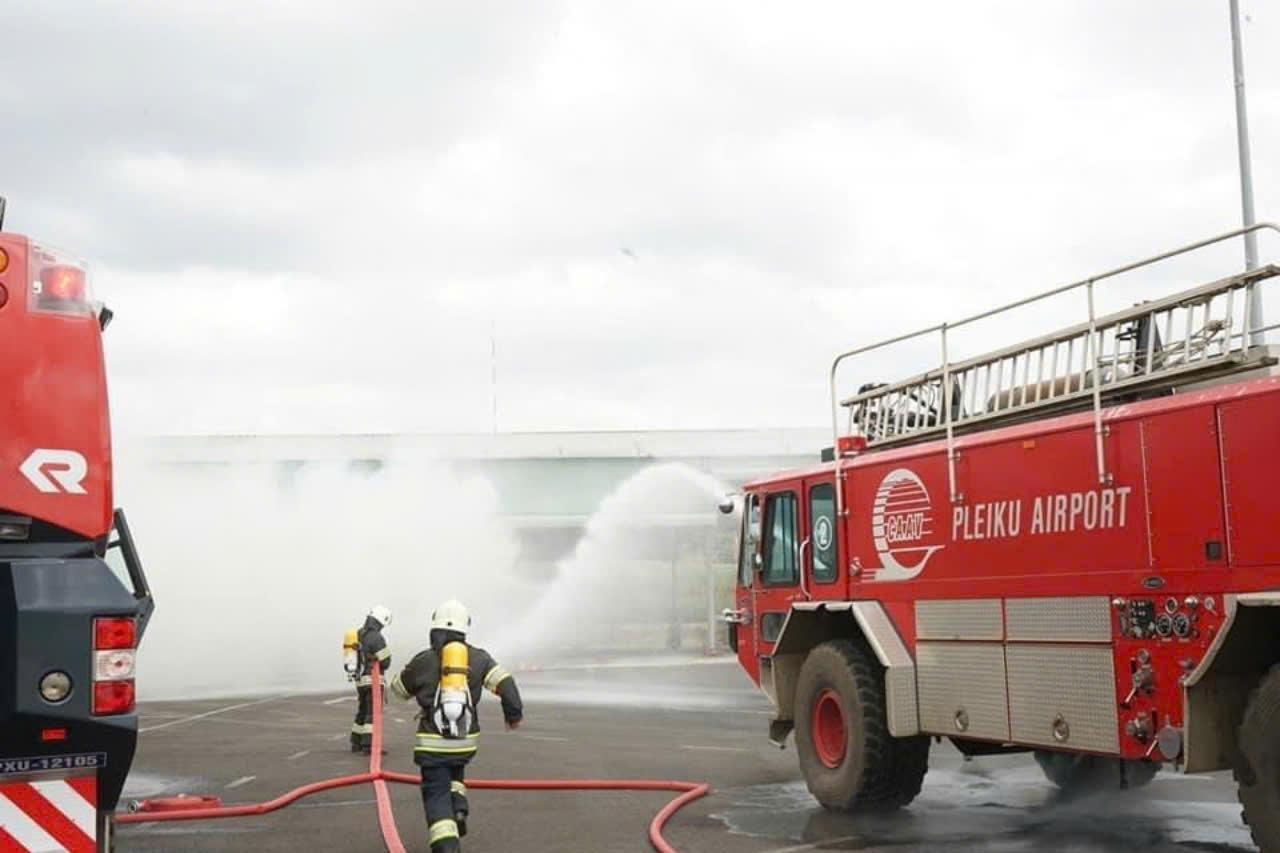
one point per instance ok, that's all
(1074, 773)
(849, 760)
(1258, 765)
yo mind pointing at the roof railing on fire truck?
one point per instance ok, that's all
(1201, 333)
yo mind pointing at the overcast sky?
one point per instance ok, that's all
(309, 216)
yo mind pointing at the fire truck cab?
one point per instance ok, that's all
(72, 607)
(1067, 546)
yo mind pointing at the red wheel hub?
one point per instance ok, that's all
(829, 733)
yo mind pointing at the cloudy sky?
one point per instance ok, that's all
(312, 216)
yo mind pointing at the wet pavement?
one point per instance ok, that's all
(687, 719)
(978, 806)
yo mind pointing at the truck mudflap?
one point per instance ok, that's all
(48, 813)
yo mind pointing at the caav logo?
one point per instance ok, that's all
(53, 471)
(902, 526)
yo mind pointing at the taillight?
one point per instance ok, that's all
(114, 662)
(59, 283)
(114, 633)
(113, 666)
(112, 697)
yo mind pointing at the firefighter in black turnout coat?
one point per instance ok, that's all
(370, 646)
(447, 680)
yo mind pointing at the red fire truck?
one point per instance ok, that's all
(1067, 546)
(74, 601)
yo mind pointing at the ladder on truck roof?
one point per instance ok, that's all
(1202, 333)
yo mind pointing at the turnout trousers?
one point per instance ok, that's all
(444, 797)
(362, 728)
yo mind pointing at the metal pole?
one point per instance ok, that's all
(946, 403)
(673, 632)
(1246, 168)
(711, 597)
(1093, 353)
(493, 373)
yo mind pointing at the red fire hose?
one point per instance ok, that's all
(154, 810)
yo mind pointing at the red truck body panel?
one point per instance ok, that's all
(53, 373)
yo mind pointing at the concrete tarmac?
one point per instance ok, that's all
(680, 719)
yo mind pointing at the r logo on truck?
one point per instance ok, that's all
(53, 471)
(901, 525)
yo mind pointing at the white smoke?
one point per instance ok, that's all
(616, 588)
(258, 570)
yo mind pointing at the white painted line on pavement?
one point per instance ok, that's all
(824, 844)
(636, 663)
(195, 717)
(716, 748)
(243, 780)
(542, 737)
(339, 699)
(330, 805)
(298, 755)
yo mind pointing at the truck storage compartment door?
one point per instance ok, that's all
(1183, 490)
(1250, 436)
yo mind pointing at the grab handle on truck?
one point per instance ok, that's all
(138, 577)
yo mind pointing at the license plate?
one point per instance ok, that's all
(52, 763)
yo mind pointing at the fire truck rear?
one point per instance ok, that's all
(1067, 546)
(69, 622)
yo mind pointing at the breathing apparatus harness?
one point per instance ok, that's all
(452, 711)
(351, 654)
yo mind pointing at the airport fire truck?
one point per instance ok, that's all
(1069, 546)
(74, 601)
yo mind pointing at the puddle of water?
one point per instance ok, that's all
(1013, 810)
(142, 786)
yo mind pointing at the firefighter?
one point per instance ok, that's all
(448, 679)
(372, 646)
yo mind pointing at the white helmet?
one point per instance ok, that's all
(380, 614)
(451, 616)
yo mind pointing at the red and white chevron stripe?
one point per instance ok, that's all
(57, 816)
